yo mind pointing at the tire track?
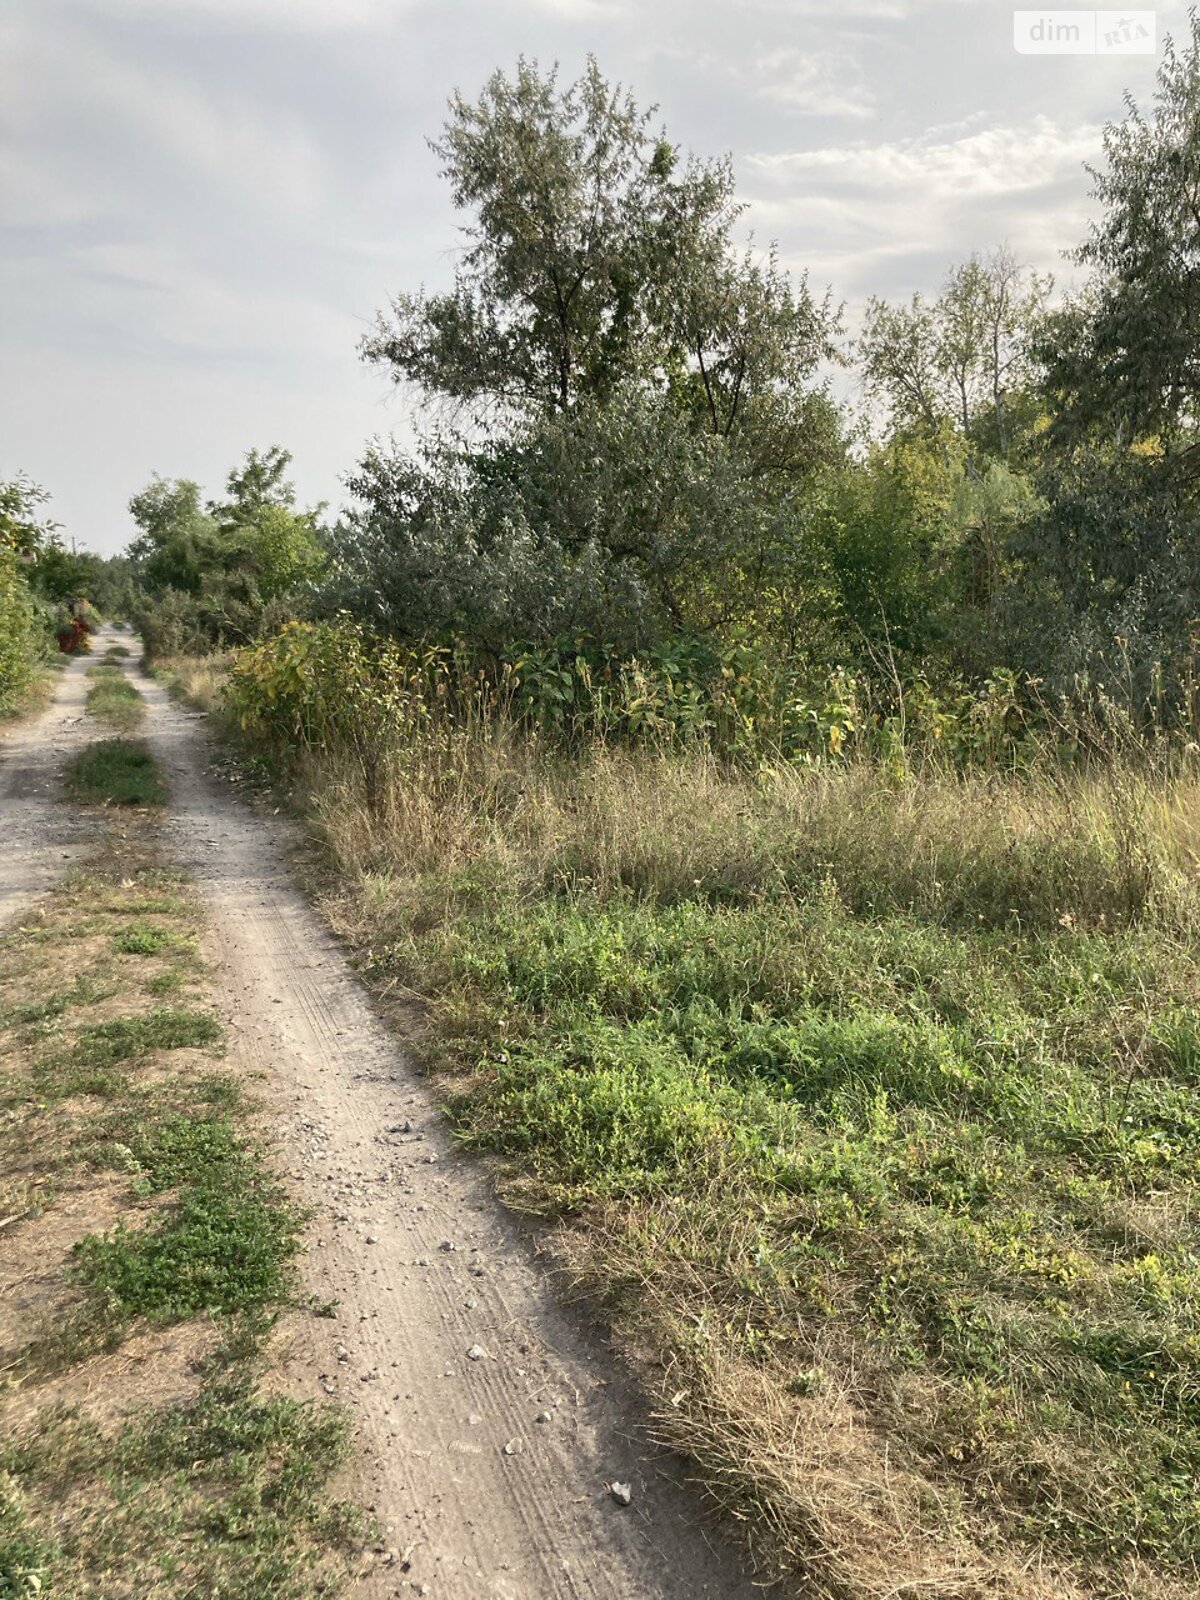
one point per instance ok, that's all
(40, 836)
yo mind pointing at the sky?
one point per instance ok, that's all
(204, 203)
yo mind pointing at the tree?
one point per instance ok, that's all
(263, 530)
(1123, 359)
(24, 527)
(179, 541)
(24, 532)
(596, 256)
(233, 558)
(964, 358)
(645, 399)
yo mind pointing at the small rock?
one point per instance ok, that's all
(544, 1416)
(447, 1245)
(372, 1238)
(513, 1447)
(622, 1493)
(476, 1353)
(342, 1353)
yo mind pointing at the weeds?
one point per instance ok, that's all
(223, 1492)
(113, 699)
(116, 772)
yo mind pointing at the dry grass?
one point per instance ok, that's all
(196, 679)
(550, 916)
(1098, 847)
(912, 1325)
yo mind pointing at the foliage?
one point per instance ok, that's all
(23, 525)
(334, 690)
(20, 635)
(222, 571)
(628, 523)
(649, 424)
(596, 259)
(1121, 357)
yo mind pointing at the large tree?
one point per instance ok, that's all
(645, 406)
(595, 255)
(1123, 358)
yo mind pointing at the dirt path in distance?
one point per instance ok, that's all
(39, 835)
(490, 1425)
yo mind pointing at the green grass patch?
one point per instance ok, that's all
(116, 772)
(105, 1044)
(144, 939)
(170, 981)
(114, 699)
(224, 1495)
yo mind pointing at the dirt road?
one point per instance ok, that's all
(490, 1424)
(38, 836)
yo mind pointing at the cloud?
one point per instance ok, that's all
(298, 16)
(891, 216)
(984, 162)
(251, 15)
(823, 83)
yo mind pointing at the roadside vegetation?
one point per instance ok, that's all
(777, 822)
(146, 1446)
(49, 597)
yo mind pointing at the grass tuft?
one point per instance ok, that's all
(105, 1044)
(116, 772)
(113, 699)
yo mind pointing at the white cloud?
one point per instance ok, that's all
(296, 16)
(823, 83)
(985, 162)
(860, 215)
(286, 15)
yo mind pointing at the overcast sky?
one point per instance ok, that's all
(204, 202)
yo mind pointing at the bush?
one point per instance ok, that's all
(20, 633)
(335, 686)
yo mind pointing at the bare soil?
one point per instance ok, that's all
(40, 835)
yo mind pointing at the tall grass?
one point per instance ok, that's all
(868, 1108)
(863, 1094)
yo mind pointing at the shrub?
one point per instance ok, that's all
(20, 643)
